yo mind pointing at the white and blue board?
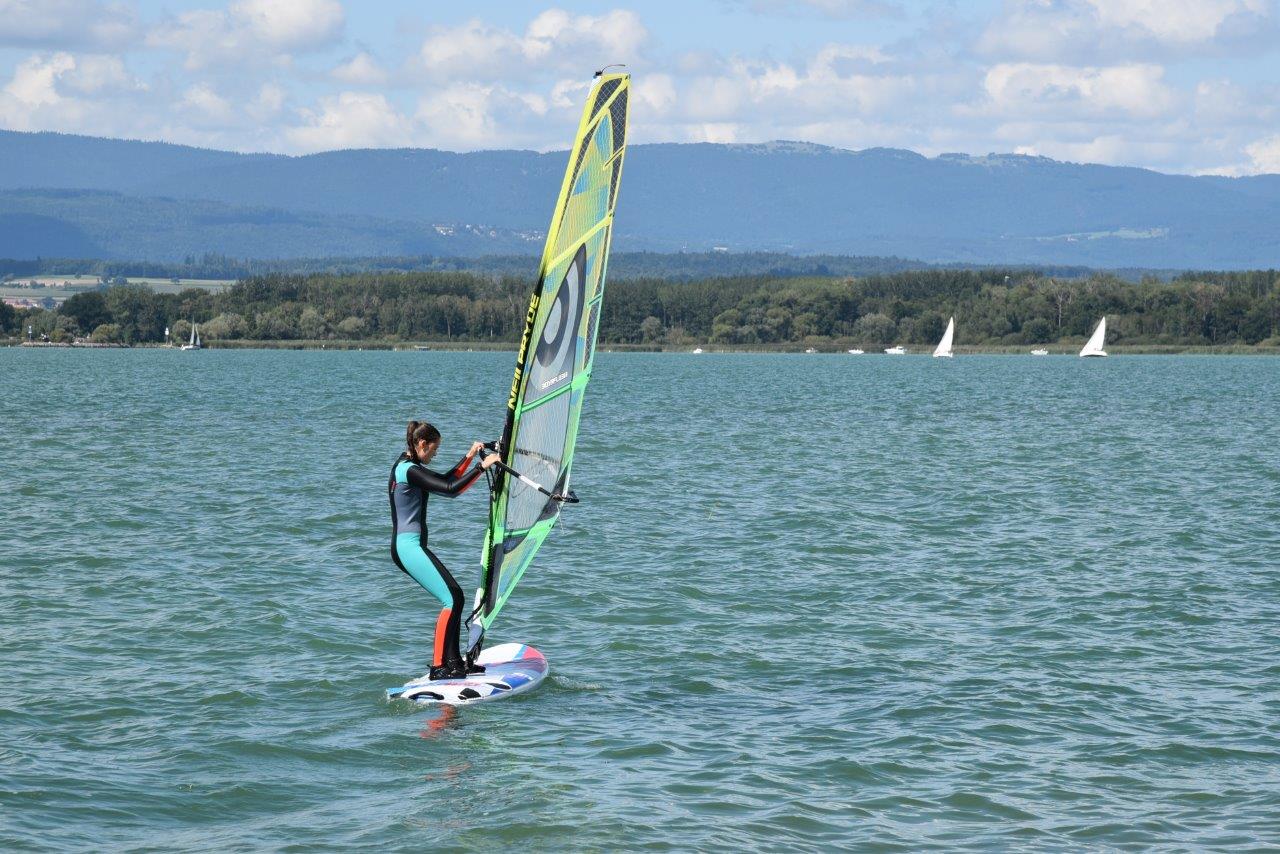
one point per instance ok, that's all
(509, 669)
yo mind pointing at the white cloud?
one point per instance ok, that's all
(250, 31)
(54, 78)
(1104, 148)
(1264, 154)
(721, 132)
(98, 75)
(1131, 91)
(859, 96)
(568, 94)
(291, 24)
(1076, 79)
(834, 93)
(826, 8)
(203, 35)
(269, 102)
(837, 60)
(1073, 30)
(204, 107)
(65, 92)
(656, 93)
(474, 49)
(351, 120)
(361, 70)
(553, 41)
(35, 80)
(66, 24)
(568, 40)
(1225, 103)
(460, 115)
(472, 116)
(1178, 22)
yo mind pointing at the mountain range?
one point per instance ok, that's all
(76, 196)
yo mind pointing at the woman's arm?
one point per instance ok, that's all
(461, 467)
(451, 485)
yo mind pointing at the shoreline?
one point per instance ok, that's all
(779, 349)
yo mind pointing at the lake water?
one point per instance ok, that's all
(806, 601)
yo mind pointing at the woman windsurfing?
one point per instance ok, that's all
(409, 487)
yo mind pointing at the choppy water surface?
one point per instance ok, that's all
(807, 601)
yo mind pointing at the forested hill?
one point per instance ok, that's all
(67, 161)
(790, 197)
(97, 224)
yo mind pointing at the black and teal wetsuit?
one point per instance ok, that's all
(409, 487)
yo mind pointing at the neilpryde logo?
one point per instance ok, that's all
(524, 346)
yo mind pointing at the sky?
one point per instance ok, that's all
(1185, 86)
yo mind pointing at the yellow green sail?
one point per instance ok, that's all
(557, 348)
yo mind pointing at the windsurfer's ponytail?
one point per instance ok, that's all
(419, 431)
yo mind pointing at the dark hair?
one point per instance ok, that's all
(419, 431)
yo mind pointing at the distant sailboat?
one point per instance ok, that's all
(1093, 347)
(194, 343)
(898, 350)
(1040, 351)
(943, 349)
(697, 349)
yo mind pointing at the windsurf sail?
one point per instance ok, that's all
(557, 348)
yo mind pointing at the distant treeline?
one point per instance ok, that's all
(682, 266)
(992, 307)
(215, 266)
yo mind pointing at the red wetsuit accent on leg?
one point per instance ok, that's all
(442, 636)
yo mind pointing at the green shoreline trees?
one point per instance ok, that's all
(992, 307)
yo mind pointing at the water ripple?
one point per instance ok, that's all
(807, 603)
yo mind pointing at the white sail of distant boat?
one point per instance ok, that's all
(1093, 347)
(194, 343)
(943, 349)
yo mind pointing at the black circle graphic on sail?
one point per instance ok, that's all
(556, 326)
(543, 428)
(556, 349)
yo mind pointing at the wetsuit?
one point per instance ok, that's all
(408, 488)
